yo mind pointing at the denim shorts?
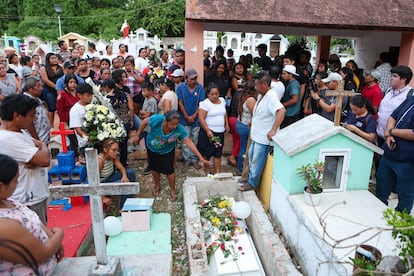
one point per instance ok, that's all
(50, 97)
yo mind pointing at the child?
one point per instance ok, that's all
(149, 107)
(107, 162)
(77, 114)
(27, 70)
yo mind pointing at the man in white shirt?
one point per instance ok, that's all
(276, 84)
(33, 156)
(400, 78)
(40, 128)
(268, 114)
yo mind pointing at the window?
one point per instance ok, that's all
(234, 44)
(336, 172)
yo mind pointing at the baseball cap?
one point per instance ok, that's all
(332, 77)
(178, 73)
(68, 64)
(191, 74)
(290, 69)
(376, 74)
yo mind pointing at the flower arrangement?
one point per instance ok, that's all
(312, 174)
(217, 211)
(254, 69)
(153, 73)
(100, 123)
(215, 140)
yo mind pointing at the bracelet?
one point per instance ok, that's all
(390, 131)
(318, 100)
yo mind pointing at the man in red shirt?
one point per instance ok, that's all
(372, 90)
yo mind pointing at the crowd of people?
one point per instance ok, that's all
(162, 102)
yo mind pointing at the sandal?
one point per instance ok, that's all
(173, 197)
(232, 162)
(156, 192)
(247, 187)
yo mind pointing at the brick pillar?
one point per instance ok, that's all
(194, 43)
(324, 45)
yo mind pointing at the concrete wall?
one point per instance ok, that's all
(284, 167)
(369, 47)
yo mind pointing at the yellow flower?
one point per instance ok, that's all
(215, 221)
(222, 204)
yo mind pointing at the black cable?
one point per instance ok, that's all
(32, 263)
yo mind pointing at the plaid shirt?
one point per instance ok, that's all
(132, 84)
(385, 81)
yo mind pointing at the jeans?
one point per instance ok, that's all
(137, 122)
(257, 161)
(243, 130)
(391, 174)
(193, 132)
(116, 177)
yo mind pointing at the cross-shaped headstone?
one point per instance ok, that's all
(95, 190)
(339, 94)
(63, 132)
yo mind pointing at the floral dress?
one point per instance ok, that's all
(32, 223)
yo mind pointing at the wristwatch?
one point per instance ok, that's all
(390, 131)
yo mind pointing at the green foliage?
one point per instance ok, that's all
(299, 44)
(365, 264)
(403, 232)
(312, 174)
(95, 18)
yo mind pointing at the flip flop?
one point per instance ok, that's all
(173, 197)
(247, 187)
(156, 192)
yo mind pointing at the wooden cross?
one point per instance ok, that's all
(339, 93)
(95, 190)
(63, 132)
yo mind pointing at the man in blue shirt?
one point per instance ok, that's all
(68, 68)
(396, 168)
(190, 93)
(290, 99)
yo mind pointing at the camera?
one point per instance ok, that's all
(312, 84)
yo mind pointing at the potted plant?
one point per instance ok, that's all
(366, 260)
(312, 174)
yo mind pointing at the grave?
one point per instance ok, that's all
(102, 264)
(273, 255)
(324, 237)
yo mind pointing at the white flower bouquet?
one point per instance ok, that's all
(100, 123)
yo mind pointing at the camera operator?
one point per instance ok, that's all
(309, 105)
(327, 104)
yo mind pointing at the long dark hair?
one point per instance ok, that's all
(9, 169)
(49, 67)
(70, 77)
(360, 102)
(248, 91)
(349, 79)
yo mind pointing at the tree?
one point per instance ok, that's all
(95, 18)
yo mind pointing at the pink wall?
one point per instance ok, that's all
(194, 43)
(406, 56)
